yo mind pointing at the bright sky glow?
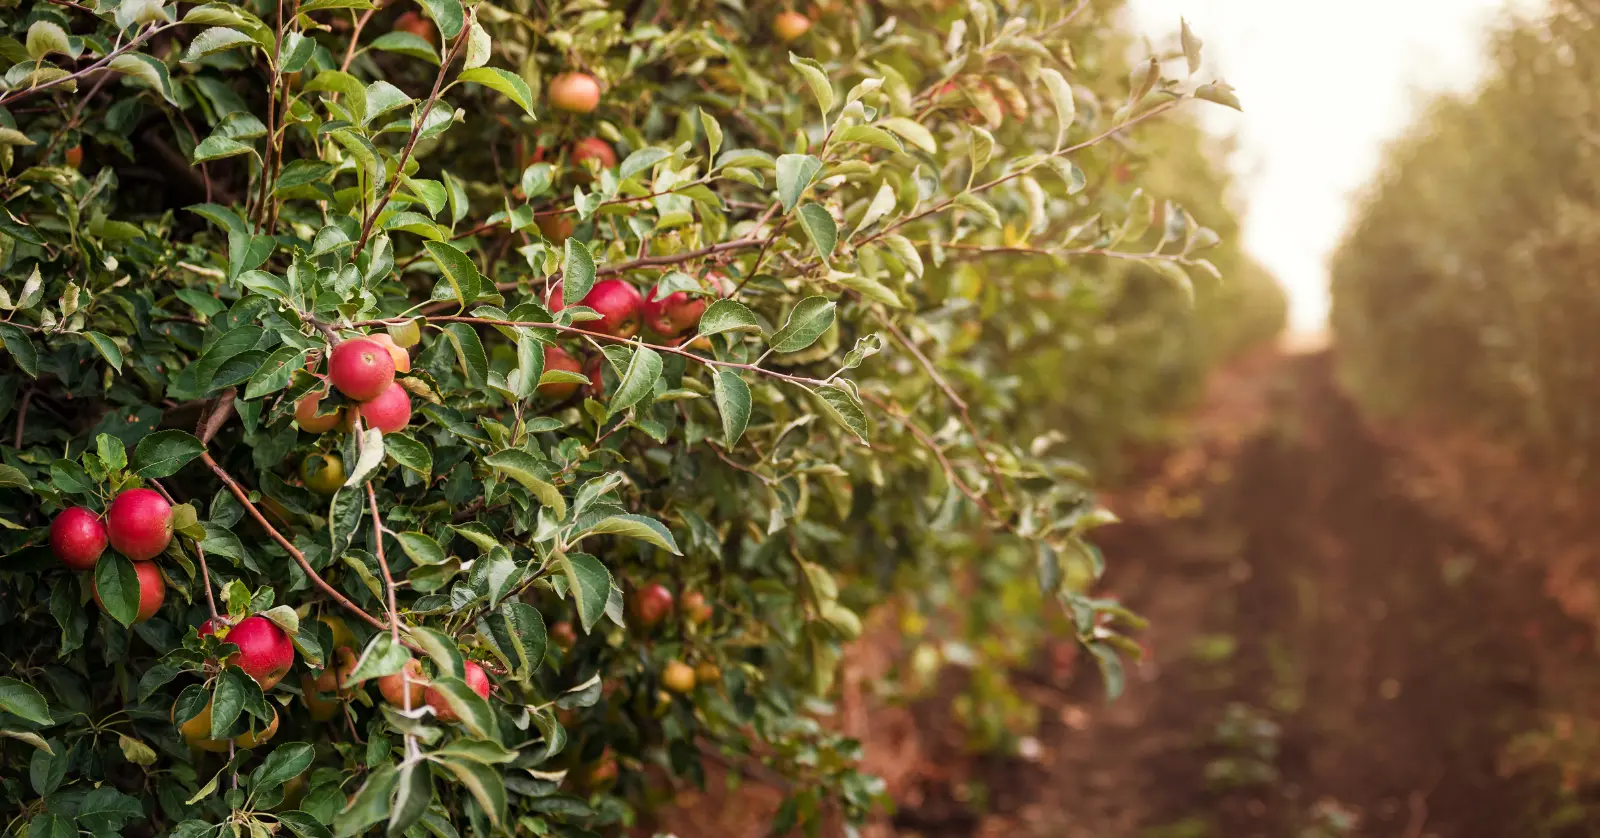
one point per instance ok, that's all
(1324, 85)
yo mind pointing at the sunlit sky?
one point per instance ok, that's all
(1324, 85)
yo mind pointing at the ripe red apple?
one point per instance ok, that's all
(139, 523)
(564, 634)
(594, 368)
(593, 148)
(402, 359)
(556, 358)
(265, 651)
(77, 538)
(390, 411)
(409, 679)
(476, 678)
(152, 590)
(678, 677)
(790, 25)
(361, 368)
(652, 604)
(305, 413)
(417, 25)
(575, 92)
(674, 314)
(74, 156)
(618, 303)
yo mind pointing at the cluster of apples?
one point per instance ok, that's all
(363, 370)
(623, 311)
(266, 654)
(137, 524)
(652, 604)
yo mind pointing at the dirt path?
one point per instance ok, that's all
(1330, 657)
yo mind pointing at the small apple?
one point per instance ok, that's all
(322, 473)
(389, 411)
(361, 368)
(197, 732)
(74, 156)
(305, 413)
(401, 358)
(77, 538)
(789, 25)
(604, 771)
(265, 651)
(152, 590)
(405, 335)
(652, 604)
(695, 608)
(476, 678)
(593, 148)
(556, 228)
(331, 681)
(617, 302)
(678, 677)
(575, 92)
(339, 630)
(564, 634)
(707, 673)
(556, 358)
(139, 524)
(673, 314)
(409, 679)
(417, 25)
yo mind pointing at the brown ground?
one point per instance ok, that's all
(1355, 632)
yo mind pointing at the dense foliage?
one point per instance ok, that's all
(1466, 285)
(579, 373)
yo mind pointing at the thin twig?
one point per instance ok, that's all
(205, 572)
(22, 417)
(74, 76)
(383, 564)
(944, 463)
(216, 417)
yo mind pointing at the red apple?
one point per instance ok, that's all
(564, 634)
(652, 604)
(74, 156)
(416, 25)
(409, 680)
(575, 92)
(361, 368)
(556, 228)
(265, 651)
(402, 359)
(593, 148)
(77, 538)
(556, 358)
(617, 302)
(152, 590)
(790, 25)
(674, 314)
(139, 523)
(695, 608)
(390, 412)
(305, 413)
(476, 678)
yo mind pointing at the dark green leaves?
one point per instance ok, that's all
(727, 315)
(844, 407)
(577, 273)
(286, 762)
(810, 318)
(447, 15)
(382, 657)
(517, 635)
(19, 699)
(469, 351)
(820, 228)
(503, 81)
(116, 584)
(733, 403)
(638, 381)
(590, 583)
(795, 173)
(459, 271)
(370, 805)
(637, 526)
(527, 470)
(413, 793)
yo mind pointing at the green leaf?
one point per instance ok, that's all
(591, 584)
(820, 227)
(577, 273)
(215, 40)
(817, 79)
(146, 69)
(350, 89)
(302, 824)
(407, 44)
(162, 453)
(484, 783)
(728, 315)
(45, 37)
(12, 477)
(472, 709)
(413, 794)
(371, 457)
(637, 526)
(912, 132)
(382, 657)
(733, 403)
(480, 751)
(21, 349)
(275, 372)
(503, 81)
(530, 365)
(285, 763)
(217, 147)
(22, 700)
(1220, 92)
(1061, 98)
(371, 804)
(795, 173)
(844, 407)
(383, 97)
(869, 135)
(447, 15)
(808, 321)
(527, 470)
(469, 351)
(409, 453)
(713, 133)
(638, 381)
(641, 160)
(111, 450)
(107, 349)
(459, 270)
(518, 637)
(421, 548)
(117, 586)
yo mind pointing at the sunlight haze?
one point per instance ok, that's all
(1324, 85)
